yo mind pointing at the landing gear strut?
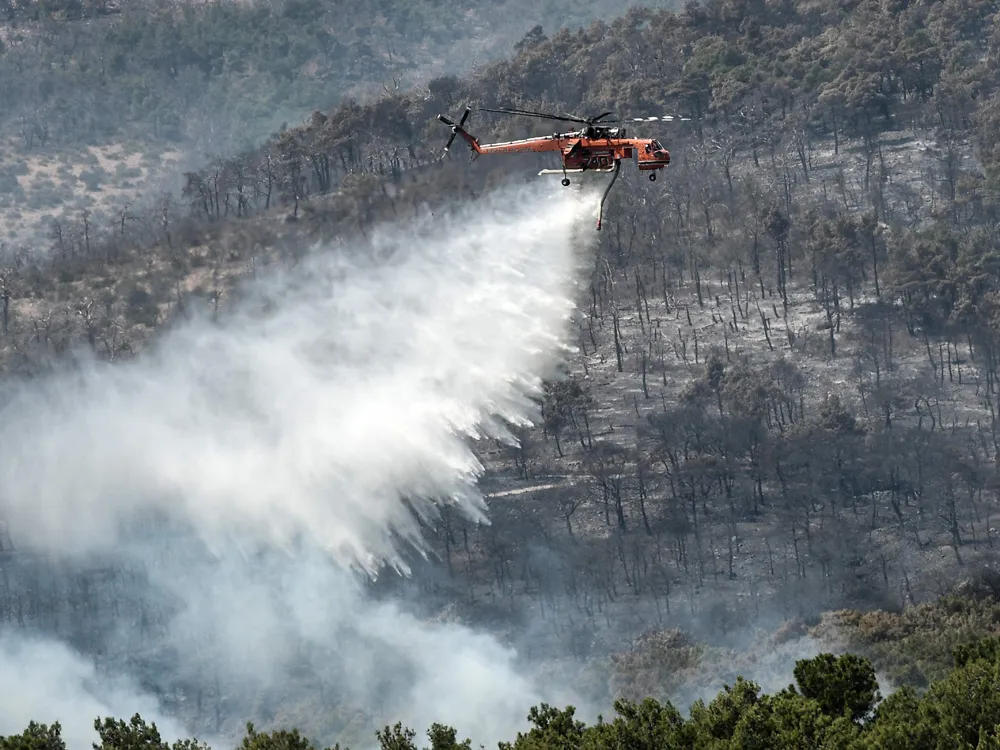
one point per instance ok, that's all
(600, 210)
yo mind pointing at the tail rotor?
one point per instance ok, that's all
(455, 129)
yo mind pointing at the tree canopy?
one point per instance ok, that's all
(835, 703)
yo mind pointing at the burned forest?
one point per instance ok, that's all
(777, 433)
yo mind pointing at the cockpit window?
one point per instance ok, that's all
(657, 146)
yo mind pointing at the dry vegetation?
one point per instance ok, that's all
(58, 185)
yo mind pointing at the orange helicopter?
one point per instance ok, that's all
(596, 147)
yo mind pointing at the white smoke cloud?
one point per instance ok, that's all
(48, 682)
(256, 624)
(298, 424)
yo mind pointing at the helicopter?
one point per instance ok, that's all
(595, 147)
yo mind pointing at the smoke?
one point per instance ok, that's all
(253, 466)
(46, 681)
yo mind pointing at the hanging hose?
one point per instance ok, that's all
(600, 210)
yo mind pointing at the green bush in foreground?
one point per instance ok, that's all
(835, 703)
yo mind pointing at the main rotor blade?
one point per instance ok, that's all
(600, 117)
(585, 120)
(540, 115)
(662, 118)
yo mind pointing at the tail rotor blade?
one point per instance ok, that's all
(454, 128)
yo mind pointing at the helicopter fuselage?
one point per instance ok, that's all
(581, 151)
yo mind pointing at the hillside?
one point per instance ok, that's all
(100, 95)
(785, 399)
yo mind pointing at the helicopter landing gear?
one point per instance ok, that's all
(565, 181)
(652, 176)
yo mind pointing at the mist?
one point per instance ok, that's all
(47, 681)
(257, 468)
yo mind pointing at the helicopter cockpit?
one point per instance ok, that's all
(657, 150)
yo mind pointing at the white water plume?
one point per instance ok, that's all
(359, 386)
(299, 422)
